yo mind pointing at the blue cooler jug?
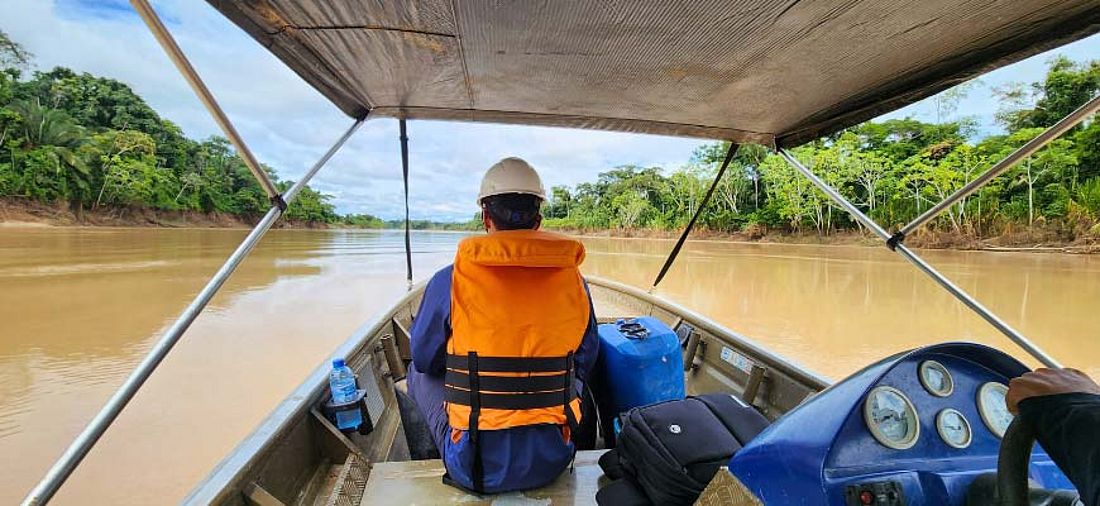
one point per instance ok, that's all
(641, 363)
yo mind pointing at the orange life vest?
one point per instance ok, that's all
(519, 309)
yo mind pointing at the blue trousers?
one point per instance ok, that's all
(427, 391)
(518, 458)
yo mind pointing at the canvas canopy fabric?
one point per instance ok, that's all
(777, 72)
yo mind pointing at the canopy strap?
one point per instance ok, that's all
(405, 178)
(691, 224)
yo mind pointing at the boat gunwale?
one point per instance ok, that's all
(792, 369)
(229, 474)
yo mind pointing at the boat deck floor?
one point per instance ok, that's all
(421, 482)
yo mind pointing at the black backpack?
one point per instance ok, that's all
(668, 452)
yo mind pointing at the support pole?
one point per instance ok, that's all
(835, 196)
(699, 211)
(83, 443)
(405, 179)
(184, 66)
(1048, 135)
(912, 257)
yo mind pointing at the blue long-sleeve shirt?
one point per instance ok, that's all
(513, 459)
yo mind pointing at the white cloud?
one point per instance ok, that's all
(289, 125)
(981, 102)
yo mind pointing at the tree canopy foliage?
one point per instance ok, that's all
(892, 169)
(94, 143)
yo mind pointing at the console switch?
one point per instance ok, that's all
(879, 493)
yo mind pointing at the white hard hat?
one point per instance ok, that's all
(511, 175)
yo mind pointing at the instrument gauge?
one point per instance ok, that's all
(992, 407)
(891, 418)
(953, 427)
(935, 378)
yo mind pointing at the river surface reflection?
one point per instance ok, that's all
(79, 307)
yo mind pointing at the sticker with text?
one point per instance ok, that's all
(736, 359)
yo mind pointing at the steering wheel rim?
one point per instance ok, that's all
(1013, 461)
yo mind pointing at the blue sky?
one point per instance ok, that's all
(289, 125)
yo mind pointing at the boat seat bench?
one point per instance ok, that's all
(421, 482)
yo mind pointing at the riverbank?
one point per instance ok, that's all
(30, 213)
(1038, 239)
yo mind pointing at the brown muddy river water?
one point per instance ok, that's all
(79, 307)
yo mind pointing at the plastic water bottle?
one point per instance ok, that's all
(342, 383)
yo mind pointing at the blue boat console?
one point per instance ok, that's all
(914, 428)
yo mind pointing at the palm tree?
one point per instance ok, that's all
(55, 132)
(44, 126)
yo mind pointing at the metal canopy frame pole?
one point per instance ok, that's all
(79, 448)
(912, 257)
(184, 65)
(1048, 135)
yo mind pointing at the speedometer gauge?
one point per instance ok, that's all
(994, 411)
(953, 427)
(935, 378)
(891, 418)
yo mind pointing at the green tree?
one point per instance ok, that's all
(1067, 85)
(127, 169)
(53, 167)
(12, 54)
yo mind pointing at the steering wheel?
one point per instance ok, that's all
(1013, 460)
(1013, 488)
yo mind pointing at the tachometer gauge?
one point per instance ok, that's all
(992, 407)
(936, 379)
(891, 418)
(953, 427)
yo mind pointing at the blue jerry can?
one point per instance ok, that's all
(640, 362)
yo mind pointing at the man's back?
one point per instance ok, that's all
(502, 343)
(518, 458)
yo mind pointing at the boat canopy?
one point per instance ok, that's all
(777, 72)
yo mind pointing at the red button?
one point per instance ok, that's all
(866, 497)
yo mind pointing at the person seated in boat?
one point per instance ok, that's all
(1064, 404)
(512, 319)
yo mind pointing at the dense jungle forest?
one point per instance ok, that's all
(892, 169)
(91, 143)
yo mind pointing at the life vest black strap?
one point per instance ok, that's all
(489, 400)
(570, 418)
(512, 364)
(505, 384)
(570, 394)
(474, 397)
(466, 384)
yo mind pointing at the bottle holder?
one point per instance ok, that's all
(330, 409)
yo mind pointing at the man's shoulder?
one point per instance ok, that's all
(444, 272)
(442, 276)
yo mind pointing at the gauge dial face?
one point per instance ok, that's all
(992, 407)
(936, 379)
(891, 418)
(953, 427)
